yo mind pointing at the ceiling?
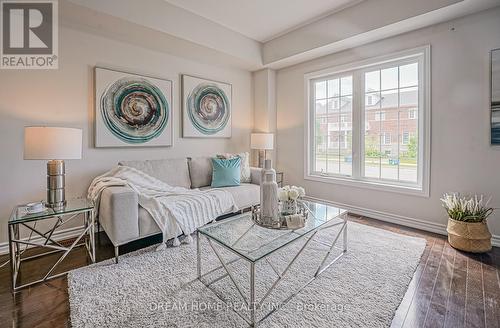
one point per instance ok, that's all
(262, 20)
(256, 34)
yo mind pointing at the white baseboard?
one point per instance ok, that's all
(57, 236)
(398, 219)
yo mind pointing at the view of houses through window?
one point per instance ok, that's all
(334, 126)
(389, 127)
(394, 95)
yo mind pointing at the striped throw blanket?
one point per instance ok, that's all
(187, 208)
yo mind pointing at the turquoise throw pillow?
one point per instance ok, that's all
(226, 172)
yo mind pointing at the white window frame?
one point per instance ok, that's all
(421, 188)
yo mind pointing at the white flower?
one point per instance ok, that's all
(466, 208)
(293, 194)
(299, 190)
(282, 194)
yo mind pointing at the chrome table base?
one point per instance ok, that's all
(252, 304)
(45, 241)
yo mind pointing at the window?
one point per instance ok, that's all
(405, 140)
(412, 114)
(379, 116)
(386, 138)
(333, 103)
(377, 130)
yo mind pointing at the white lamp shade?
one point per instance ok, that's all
(52, 143)
(264, 141)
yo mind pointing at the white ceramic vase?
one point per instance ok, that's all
(269, 198)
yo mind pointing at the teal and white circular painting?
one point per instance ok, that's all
(134, 110)
(208, 108)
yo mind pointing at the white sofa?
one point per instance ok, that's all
(124, 220)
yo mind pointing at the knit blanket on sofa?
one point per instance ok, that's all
(188, 208)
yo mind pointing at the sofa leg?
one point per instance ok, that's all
(116, 254)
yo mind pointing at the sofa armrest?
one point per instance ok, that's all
(255, 175)
(118, 214)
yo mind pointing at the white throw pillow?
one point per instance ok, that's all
(245, 164)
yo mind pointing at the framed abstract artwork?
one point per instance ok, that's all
(495, 97)
(206, 108)
(132, 110)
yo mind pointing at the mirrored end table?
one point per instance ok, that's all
(24, 234)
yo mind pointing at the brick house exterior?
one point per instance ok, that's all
(389, 125)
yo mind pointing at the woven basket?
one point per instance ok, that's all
(471, 237)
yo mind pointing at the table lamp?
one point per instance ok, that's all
(54, 144)
(263, 142)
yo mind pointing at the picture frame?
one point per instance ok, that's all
(132, 110)
(495, 96)
(206, 108)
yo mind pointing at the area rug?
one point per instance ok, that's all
(151, 288)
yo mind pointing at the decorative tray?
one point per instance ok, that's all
(288, 222)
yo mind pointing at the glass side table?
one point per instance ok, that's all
(21, 219)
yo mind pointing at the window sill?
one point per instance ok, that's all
(373, 185)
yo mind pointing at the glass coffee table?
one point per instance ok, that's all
(253, 243)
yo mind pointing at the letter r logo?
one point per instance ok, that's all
(27, 28)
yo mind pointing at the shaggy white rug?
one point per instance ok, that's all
(159, 289)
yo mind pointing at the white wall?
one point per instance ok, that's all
(264, 100)
(161, 16)
(64, 97)
(462, 159)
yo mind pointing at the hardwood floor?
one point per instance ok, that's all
(449, 288)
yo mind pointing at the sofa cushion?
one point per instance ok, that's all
(200, 171)
(245, 164)
(226, 172)
(171, 171)
(245, 195)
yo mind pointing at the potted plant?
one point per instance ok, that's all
(467, 226)
(288, 197)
